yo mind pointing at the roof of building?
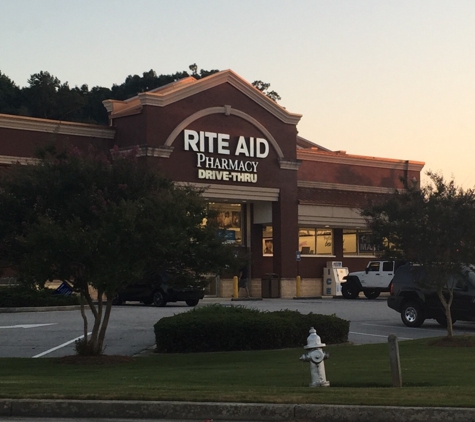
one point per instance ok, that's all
(189, 86)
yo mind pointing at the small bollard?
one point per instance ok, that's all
(316, 356)
(235, 287)
(394, 361)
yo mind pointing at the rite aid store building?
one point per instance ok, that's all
(277, 193)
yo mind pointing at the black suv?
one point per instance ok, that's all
(157, 293)
(416, 303)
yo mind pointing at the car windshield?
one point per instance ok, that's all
(464, 280)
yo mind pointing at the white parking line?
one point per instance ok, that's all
(60, 346)
(403, 327)
(377, 335)
(27, 325)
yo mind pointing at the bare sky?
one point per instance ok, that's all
(382, 78)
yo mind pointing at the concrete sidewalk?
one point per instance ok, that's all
(183, 411)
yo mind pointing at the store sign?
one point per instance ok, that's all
(229, 163)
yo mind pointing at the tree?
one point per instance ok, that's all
(46, 97)
(41, 95)
(433, 226)
(102, 224)
(94, 110)
(70, 103)
(136, 84)
(264, 88)
(10, 96)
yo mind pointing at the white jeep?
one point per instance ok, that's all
(376, 278)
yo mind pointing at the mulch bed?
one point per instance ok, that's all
(455, 341)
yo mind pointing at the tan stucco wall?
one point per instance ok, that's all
(309, 287)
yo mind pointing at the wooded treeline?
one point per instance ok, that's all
(48, 98)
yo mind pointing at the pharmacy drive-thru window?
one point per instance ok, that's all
(287, 202)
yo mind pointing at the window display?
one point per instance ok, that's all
(229, 221)
(358, 242)
(314, 241)
(267, 241)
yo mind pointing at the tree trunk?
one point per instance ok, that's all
(447, 304)
(83, 314)
(105, 323)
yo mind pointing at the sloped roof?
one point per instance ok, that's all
(186, 87)
(317, 153)
(303, 143)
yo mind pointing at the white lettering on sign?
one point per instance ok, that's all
(258, 147)
(220, 168)
(219, 142)
(225, 163)
(227, 176)
(206, 142)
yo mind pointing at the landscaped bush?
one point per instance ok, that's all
(21, 296)
(221, 328)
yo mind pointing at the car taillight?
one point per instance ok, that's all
(391, 289)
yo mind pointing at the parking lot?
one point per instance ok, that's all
(130, 331)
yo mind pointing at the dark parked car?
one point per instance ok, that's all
(416, 303)
(157, 293)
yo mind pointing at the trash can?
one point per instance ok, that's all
(270, 286)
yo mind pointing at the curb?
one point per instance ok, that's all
(227, 411)
(40, 309)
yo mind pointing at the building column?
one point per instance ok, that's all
(285, 237)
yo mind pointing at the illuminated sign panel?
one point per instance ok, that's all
(240, 162)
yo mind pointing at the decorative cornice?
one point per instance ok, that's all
(179, 91)
(55, 126)
(289, 164)
(146, 151)
(343, 158)
(7, 159)
(342, 187)
(162, 151)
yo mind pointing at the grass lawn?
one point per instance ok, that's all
(359, 375)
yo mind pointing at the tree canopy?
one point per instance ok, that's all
(103, 223)
(48, 98)
(433, 226)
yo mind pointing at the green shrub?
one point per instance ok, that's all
(21, 296)
(221, 328)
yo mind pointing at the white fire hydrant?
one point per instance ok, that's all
(316, 356)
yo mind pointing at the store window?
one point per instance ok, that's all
(267, 241)
(315, 241)
(229, 220)
(359, 243)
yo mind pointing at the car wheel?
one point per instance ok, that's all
(371, 294)
(116, 300)
(412, 315)
(192, 302)
(349, 291)
(159, 299)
